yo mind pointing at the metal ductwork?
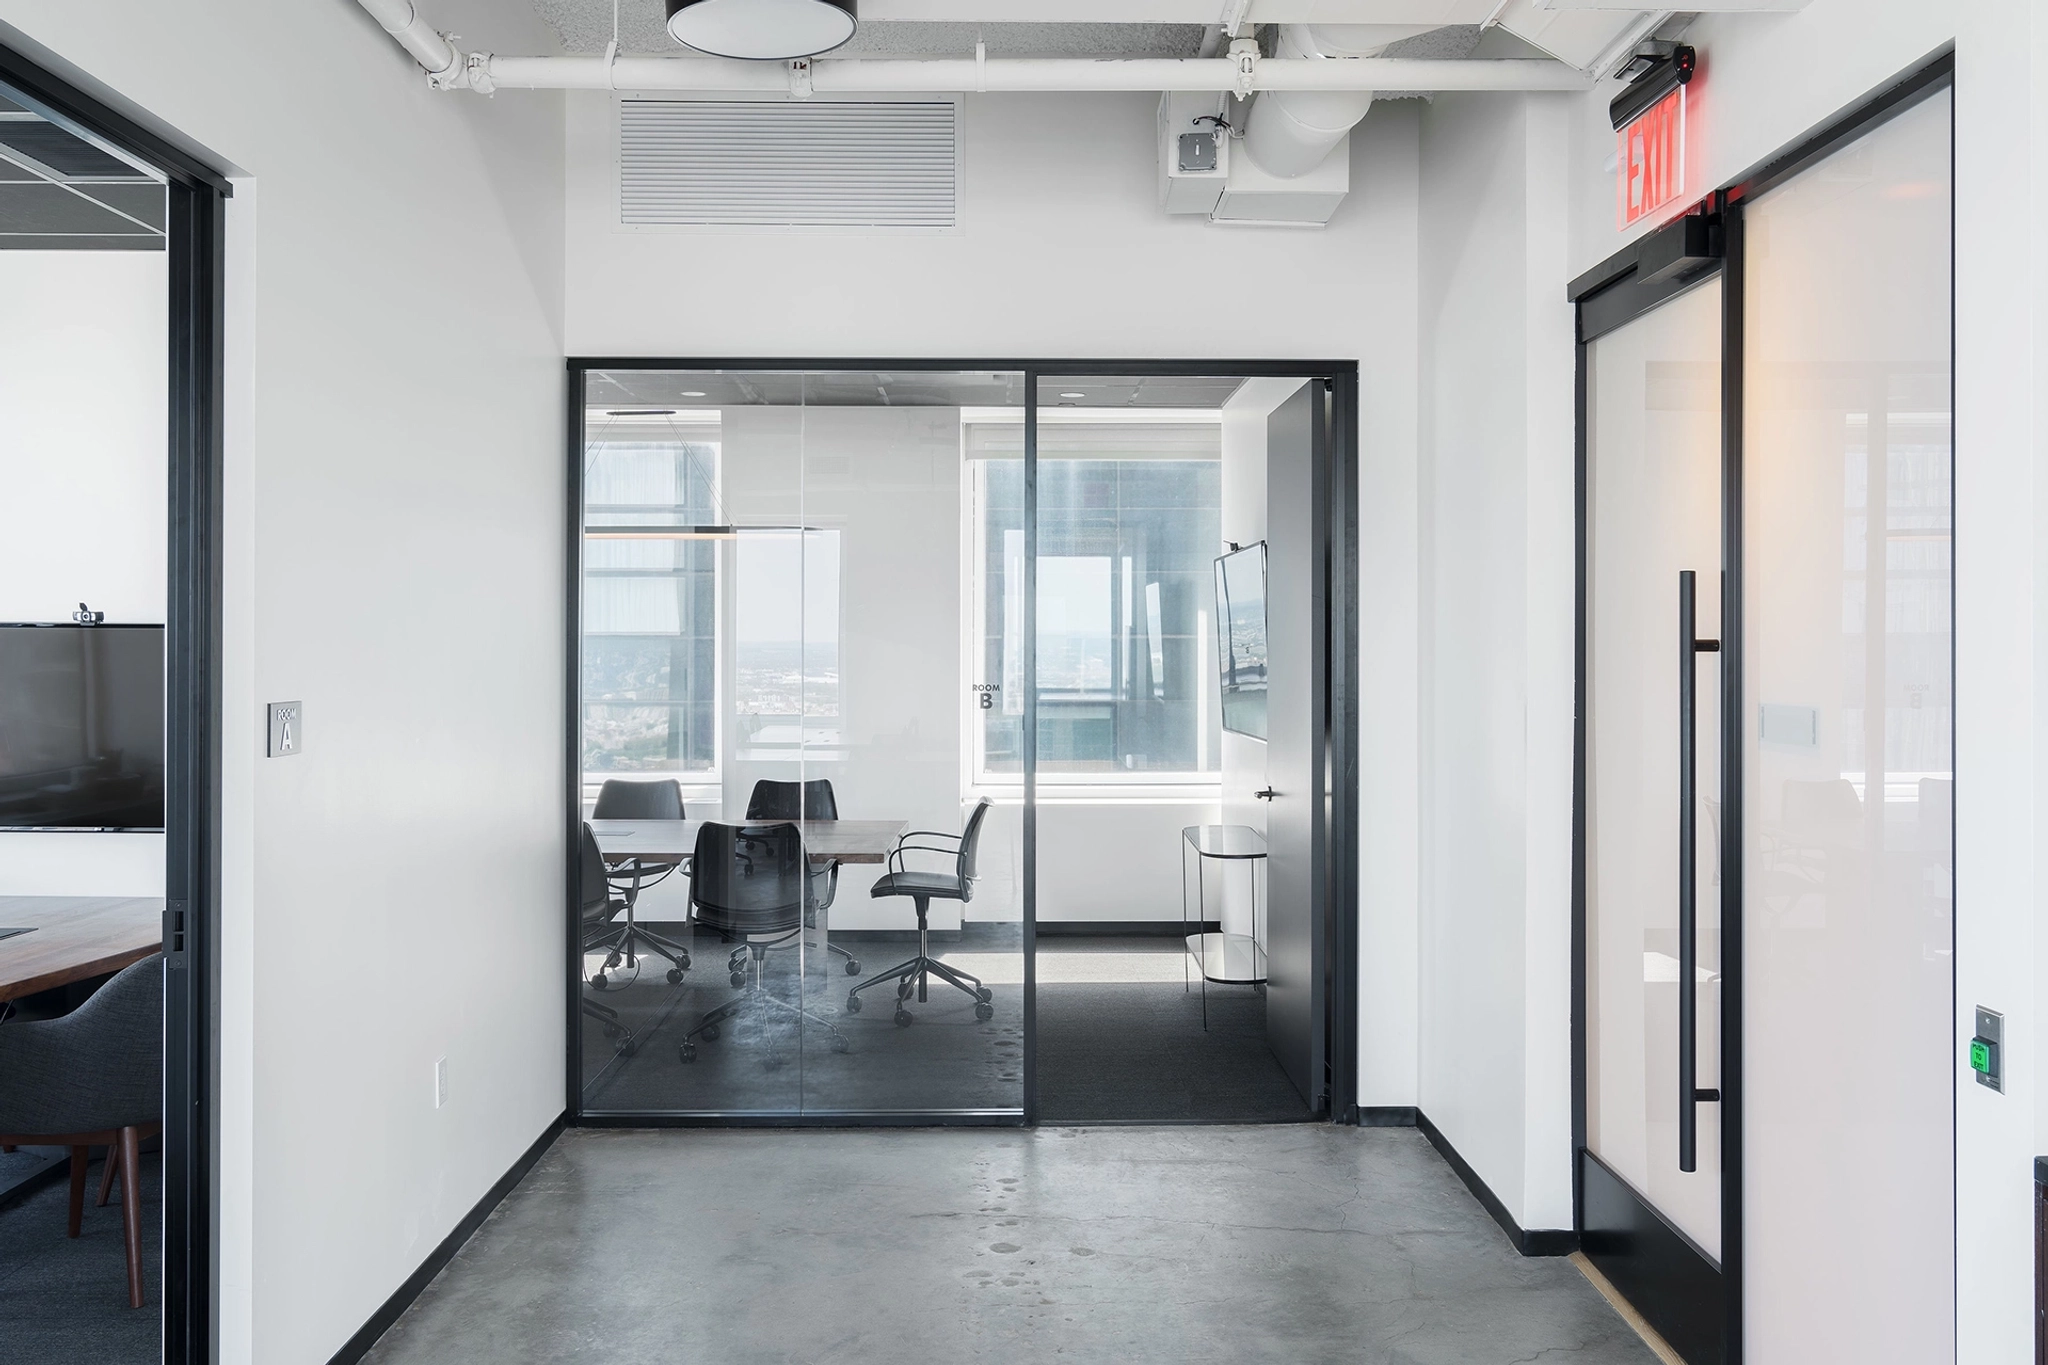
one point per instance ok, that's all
(1291, 131)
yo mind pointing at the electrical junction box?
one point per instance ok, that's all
(1194, 154)
(1252, 196)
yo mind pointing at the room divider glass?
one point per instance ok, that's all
(775, 643)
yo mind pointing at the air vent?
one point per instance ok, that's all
(824, 164)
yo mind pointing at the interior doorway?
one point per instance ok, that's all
(128, 701)
(1182, 948)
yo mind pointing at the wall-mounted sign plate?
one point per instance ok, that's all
(286, 729)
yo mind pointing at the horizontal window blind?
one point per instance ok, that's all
(814, 163)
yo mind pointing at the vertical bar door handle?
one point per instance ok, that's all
(1689, 1094)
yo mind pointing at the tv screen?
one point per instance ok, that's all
(1241, 638)
(81, 727)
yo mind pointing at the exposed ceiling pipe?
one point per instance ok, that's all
(949, 75)
(1242, 73)
(432, 50)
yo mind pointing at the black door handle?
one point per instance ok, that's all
(1689, 1093)
(1266, 795)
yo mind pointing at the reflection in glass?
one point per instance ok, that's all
(774, 615)
(1848, 907)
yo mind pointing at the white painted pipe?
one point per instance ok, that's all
(948, 75)
(415, 35)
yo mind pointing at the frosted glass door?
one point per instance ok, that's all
(1848, 786)
(1654, 537)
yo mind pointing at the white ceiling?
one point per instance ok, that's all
(1015, 28)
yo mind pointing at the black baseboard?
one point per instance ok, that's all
(1528, 1241)
(1127, 928)
(358, 1346)
(1387, 1115)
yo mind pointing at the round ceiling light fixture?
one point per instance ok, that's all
(761, 30)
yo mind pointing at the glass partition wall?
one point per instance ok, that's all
(876, 671)
(775, 632)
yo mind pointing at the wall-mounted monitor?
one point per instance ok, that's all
(81, 727)
(1241, 638)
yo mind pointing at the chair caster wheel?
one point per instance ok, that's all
(675, 976)
(629, 1047)
(984, 1011)
(739, 979)
(853, 966)
(985, 995)
(683, 962)
(903, 990)
(841, 1045)
(853, 1004)
(687, 1052)
(903, 1018)
(599, 982)
(709, 1033)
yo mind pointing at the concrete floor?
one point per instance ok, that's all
(1293, 1242)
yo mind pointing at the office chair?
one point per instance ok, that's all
(751, 883)
(89, 1078)
(811, 800)
(924, 887)
(621, 799)
(599, 931)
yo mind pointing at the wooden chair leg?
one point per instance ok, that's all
(131, 1210)
(78, 1160)
(113, 1164)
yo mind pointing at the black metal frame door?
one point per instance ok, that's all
(196, 232)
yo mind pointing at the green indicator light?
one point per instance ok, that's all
(1980, 1055)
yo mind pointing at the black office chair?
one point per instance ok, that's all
(601, 931)
(625, 799)
(811, 800)
(751, 883)
(923, 888)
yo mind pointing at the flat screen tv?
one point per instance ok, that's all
(81, 727)
(1241, 638)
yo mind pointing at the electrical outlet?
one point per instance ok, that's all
(440, 1082)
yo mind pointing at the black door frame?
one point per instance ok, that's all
(1337, 689)
(197, 195)
(1695, 1304)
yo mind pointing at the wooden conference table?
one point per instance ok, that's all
(843, 841)
(73, 938)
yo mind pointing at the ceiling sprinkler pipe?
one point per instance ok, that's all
(1291, 131)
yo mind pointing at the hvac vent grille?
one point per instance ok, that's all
(716, 163)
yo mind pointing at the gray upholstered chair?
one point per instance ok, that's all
(93, 1077)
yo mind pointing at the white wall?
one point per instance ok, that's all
(1062, 251)
(394, 496)
(1495, 537)
(82, 460)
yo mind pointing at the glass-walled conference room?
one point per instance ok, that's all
(809, 772)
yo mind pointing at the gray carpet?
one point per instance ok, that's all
(1137, 1052)
(65, 1301)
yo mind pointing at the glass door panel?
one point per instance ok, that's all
(688, 976)
(913, 986)
(1848, 782)
(1653, 491)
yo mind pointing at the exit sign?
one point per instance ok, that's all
(1650, 159)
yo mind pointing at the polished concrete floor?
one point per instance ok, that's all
(1303, 1243)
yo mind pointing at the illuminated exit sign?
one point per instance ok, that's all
(1650, 159)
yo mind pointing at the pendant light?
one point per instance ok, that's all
(761, 30)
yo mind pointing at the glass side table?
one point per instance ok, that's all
(1227, 959)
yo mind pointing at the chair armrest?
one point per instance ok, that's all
(896, 853)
